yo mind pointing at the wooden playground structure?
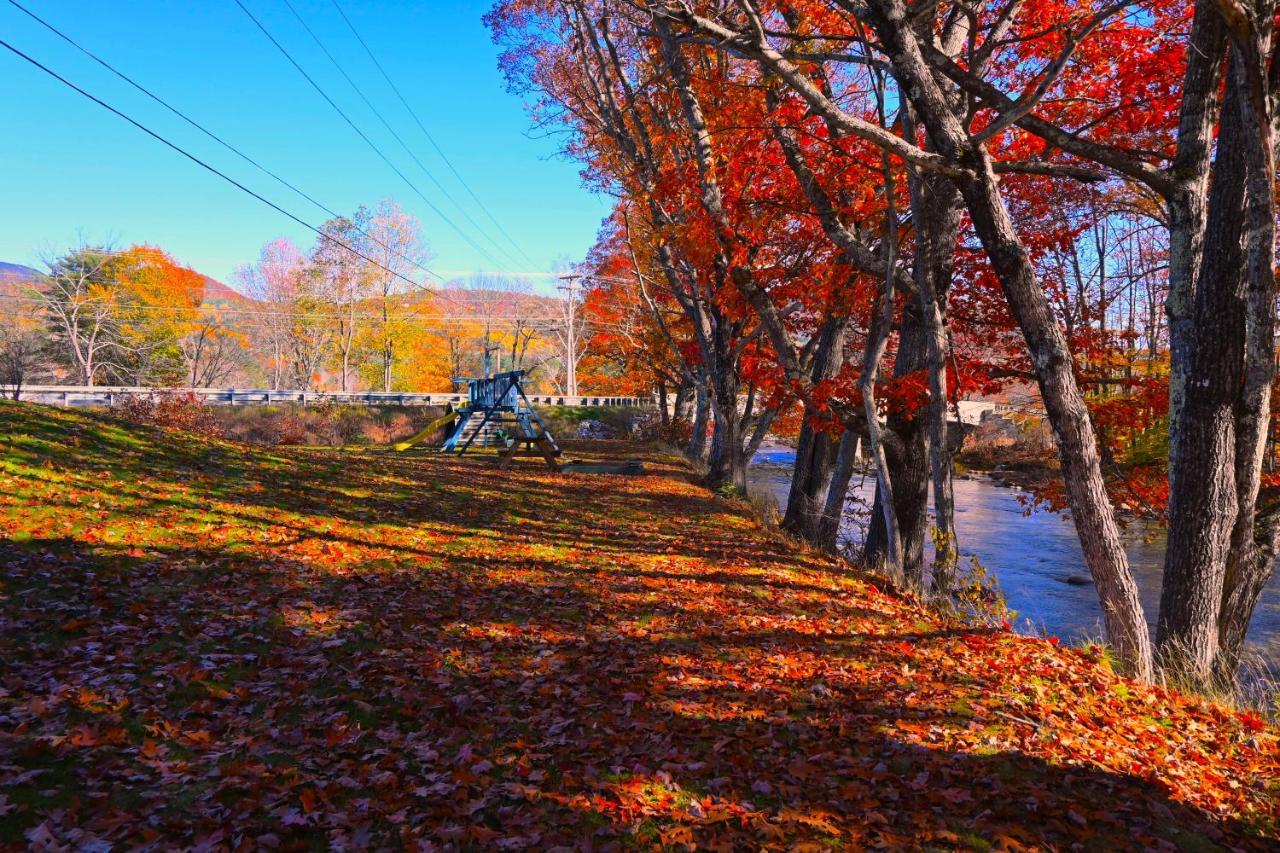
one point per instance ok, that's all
(497, 414)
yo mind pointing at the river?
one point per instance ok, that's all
(1036, 559)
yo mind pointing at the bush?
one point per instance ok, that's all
(331, 424)
(563, 420)
(677, 431)
(184, 411)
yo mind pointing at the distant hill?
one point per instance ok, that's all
(479, 302)
(18, 273)
(217, 293)
(476, 302)
(15, 276)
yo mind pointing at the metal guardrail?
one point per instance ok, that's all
(109, 395)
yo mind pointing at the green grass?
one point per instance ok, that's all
(366, 648)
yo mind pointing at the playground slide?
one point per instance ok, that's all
(432, 429)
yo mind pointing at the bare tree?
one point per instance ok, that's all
(79, 304)
(345, 280)
(395, 241)
(212, 349)
(275, 282)
(22, 345)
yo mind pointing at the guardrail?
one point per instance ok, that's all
(108, 395)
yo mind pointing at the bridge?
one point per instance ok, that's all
(109, 395)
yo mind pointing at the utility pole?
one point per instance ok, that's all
(571, 290)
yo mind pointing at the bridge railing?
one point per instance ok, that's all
(110, 395)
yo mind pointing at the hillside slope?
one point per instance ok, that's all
(214, 644)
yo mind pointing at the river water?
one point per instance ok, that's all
(1036, 559)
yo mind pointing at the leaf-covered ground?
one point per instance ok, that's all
(203, 643)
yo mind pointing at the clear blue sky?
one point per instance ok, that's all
(68, 167)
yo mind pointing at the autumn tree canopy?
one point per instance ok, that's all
(870, 210)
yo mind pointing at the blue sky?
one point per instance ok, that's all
(69, 168)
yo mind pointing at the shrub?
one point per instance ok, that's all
(563, 420)
(649, 427)
(184, 411)
(331, 424)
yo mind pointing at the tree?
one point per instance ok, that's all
(394, 240)
(951, 150)
(213, 348)
(346, 280)
(280, 282)
(79, 303)
(22, 349)
(156, 303)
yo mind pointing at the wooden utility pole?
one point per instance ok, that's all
(571, 290)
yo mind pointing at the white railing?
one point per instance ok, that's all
(109, 395)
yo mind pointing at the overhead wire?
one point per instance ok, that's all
(211, 135)
(365, 137)
(219, 310)
(387, 125)
(426, 133)
(202, 164)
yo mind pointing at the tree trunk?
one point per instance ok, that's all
(1077, 442)
(935, 210)
(726, 464)
(1073, 430)
(697, 449)
(907, 456)
(887, 560)
(815, 451)
(1203, 502)
(838, 490)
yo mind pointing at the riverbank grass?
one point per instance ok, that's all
(209, 643)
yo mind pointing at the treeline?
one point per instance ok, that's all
(864, 211)
(355, 311)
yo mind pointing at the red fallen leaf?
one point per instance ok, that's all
(739, 668)
(482, 834)
(1252, 722)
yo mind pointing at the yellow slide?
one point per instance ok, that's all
(432, 429)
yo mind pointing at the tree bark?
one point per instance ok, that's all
(907, 456)
(838, 490)
(697, 449)
(1064, 404)
(1209, 344)
(935, 210)
(815, 451)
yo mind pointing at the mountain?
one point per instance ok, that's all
(217, 293)
(480, 302)
(19, 274)
(14, 277)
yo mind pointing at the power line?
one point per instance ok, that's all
(426, 133)
(323, 94)
(455, 319)
(202, 164)
(387, 125)
(210, 134)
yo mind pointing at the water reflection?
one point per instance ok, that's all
(1037, 558)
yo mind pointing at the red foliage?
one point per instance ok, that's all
(183, 410)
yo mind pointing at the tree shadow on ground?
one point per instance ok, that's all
(358, 649)
(478, 708)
